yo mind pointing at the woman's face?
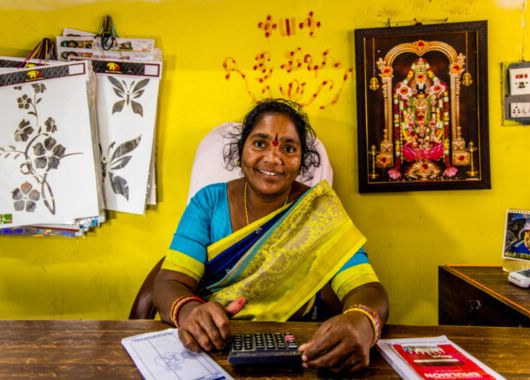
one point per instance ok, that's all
(272, 155)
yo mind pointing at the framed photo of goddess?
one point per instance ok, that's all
(422, 107)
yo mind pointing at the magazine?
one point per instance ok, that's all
(432, 358)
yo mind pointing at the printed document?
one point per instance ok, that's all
(161, 355)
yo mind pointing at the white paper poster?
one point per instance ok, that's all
(127, 97)
(47, 161)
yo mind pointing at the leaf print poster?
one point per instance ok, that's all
(126, 109)
(47, 162)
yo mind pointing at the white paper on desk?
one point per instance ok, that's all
(160, 355)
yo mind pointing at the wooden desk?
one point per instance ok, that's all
(480, 296)
(92, 349)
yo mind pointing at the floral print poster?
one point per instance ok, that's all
(47, 161)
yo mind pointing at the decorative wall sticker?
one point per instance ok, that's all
(38, 151)
(324, 88)
(287, 26)
(268, 26)
(116, 159)
(127, 92)
(286, 74)
(45, 142)
(126, 130)
(310, 24)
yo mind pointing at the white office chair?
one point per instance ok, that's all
(208, 166)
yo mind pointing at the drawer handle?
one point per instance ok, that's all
(472, 311)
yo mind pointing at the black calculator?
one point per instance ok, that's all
(264, 348)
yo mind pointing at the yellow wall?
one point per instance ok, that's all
(409, 234)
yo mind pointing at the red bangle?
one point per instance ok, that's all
(179, 303)
(174, 305)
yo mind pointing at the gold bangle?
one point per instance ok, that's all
(179, 303)
(375, 321)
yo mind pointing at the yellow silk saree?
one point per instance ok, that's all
(283, 269)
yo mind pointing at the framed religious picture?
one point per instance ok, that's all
(422, 107)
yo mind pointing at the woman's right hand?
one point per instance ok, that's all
(206, 326)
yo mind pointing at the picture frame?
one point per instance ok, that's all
(422, 107)
(517, 235)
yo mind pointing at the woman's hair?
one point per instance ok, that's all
(310, 156)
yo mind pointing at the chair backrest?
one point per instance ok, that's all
(143, 306)
(208, 167)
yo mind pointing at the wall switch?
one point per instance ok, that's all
(520, 81)
(520, 110)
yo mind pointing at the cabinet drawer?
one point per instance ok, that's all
(461, 303)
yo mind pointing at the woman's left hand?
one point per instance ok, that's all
(341, 344)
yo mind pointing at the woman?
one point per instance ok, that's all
(266, 247)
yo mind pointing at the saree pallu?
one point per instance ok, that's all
(305, 246)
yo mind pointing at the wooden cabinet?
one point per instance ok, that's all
(480, 296)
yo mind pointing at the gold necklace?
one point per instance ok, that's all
(245, 201)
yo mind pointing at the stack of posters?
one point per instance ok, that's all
(126, 101)
(133, 49)
(49, 167)
(79, 136)
(127, 94)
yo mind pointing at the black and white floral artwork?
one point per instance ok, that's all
(37, 150)
(128, 92)
(47, 166)
(126, 109)
(116, 158)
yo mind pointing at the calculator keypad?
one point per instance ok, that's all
(263, 348)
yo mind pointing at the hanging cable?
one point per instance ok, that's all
(107, 33)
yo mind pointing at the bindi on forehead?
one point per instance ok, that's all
(275, 142)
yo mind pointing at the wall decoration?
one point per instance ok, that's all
(45, 142)
(128, 92)
(310, 78)
(127, 98)
(40, 152)
(287, 26)
(422, 107)
(116, 158)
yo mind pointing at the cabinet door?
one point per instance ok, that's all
(461, 303)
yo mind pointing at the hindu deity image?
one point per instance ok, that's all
(422, 137)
